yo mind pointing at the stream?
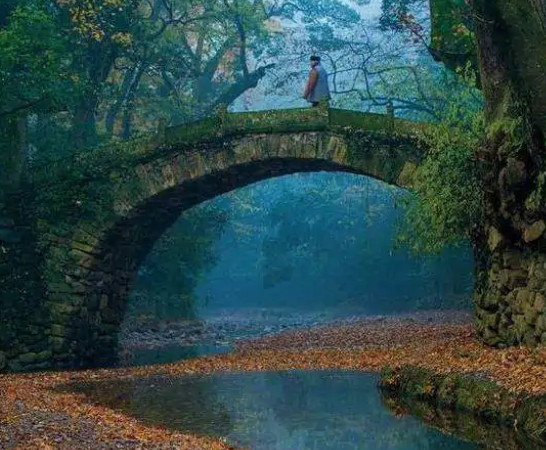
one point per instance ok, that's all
(285, 410)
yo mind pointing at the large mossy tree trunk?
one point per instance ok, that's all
(510, 294)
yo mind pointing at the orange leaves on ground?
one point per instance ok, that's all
(36, 412)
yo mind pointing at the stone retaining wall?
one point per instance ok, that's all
(511, 308)
(470, 393)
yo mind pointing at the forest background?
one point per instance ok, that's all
(75, 74)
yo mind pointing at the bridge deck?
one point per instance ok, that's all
(91, 162)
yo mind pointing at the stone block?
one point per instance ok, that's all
(59, 288)
(110, 315)
(44, 355)
(505, 322)
(95, 275)
(77, 300)
(513, 278)
(488, 302)
(530, 313)
(16, 349)
(103, 302)
(539, 272)
(530, 338)
(520, 326)
(534, 231)
(95, 319)
(61, 311)
(523, 298)
(540, 325)
(33, 329)
(491, 320)
(508, 335)
(38, 346)
(495, 238)
(512, 259)
(491, 337)
(57, 343)
(64, 357)
(15, 366)
(83, 260)
(28, 358)
(39, 366)
(540, 302)
(535, 284)
(85, 247)
(59, 330)
(511, 297)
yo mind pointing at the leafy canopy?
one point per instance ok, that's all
(446, 185)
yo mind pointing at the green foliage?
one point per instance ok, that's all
(174, 267)
(446, 183)
(452, 26)
(329, 236)
(32, 71)
(392, 11)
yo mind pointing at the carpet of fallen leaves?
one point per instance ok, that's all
(33, 415)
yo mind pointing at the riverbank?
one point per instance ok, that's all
(235, 328)
(38, 411)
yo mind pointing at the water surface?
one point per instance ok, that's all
(289, 410)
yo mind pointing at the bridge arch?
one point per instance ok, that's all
(120, 205)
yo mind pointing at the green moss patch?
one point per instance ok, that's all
(468, 393)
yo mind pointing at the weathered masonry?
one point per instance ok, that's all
(90, 221)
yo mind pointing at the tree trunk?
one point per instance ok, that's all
(129, 86)
(85, 123)
(12, 150)
(510, 246)
(126, 123)
(99, 59)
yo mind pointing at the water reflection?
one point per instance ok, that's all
(292, 410)
(489, 436)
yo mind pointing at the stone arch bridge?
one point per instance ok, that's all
(97, 215)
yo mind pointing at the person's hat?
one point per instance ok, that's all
(315, 58)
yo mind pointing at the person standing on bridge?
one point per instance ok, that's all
(316, 89)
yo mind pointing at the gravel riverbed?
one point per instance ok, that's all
(282, 330)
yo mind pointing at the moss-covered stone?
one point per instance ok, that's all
(537, 198)
(28, 358)
(57, 343)
(95, 220)
(523, 297)
(59, 330)
(534, 231)
(495, 238)
(472, 393)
